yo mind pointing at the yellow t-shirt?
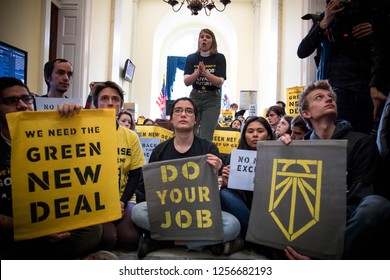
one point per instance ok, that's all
(130, 154)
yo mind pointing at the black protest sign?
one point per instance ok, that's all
(183, 200)
(299, 197)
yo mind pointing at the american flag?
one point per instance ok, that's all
(161, 100)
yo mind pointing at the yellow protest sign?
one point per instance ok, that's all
(292, 95)
(64, 171)
(154, 131)
(228, 117)
(226, 140)
(140, 120)
(229, 114)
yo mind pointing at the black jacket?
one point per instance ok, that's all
(362, 159)
(344, 60)
(380, 71)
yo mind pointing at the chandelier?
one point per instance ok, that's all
(196, 5)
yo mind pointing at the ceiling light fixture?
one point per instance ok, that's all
(196, 5)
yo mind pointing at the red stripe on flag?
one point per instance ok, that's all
(161, 100)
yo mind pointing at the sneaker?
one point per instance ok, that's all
(102, 255)
(233, 246)
(147, 245)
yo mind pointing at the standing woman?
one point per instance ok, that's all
(205, 70)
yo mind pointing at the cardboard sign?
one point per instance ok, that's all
(183, 200)
(247, 97)
(299, 197)
(64, 171)
(252, 110)
(45, 103)
(242, 170)
(148, 144)
(226, 140)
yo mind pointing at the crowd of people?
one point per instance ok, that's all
(349, 101)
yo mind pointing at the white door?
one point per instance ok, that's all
(70, 42)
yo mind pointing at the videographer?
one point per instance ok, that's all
(343, 35)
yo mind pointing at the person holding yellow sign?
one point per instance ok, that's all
(16, 97)
(122, 232)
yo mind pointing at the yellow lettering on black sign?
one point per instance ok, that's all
(191, 194)
(288, 184)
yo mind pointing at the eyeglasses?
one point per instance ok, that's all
(14, 100)
(179, 110)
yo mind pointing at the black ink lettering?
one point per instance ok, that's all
(59, 207)
(88, 173)
(34, 211)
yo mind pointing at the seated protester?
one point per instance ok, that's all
(121, 233)
(273, 115)
(383, 143)
(148, 122)
(368, 214)
(236, 124)
(15, 97)
(186, 144)
(298, 128)
(237, 112)
(239, 202)
(284, 126)
(125, 119)
(241, 119)
(280, 103)
(380, 88)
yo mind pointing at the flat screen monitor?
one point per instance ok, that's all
(13, 62)
(128, 70)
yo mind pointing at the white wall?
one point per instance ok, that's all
(259, 39)
(100, 41)
(158, 26)
(296, 72)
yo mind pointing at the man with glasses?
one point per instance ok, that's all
(16, 97)
(185, 144)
